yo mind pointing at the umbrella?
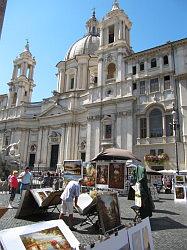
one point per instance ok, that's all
(168, 172)
(151, 171)
(115, 154)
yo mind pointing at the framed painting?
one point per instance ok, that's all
(179, 193)
(108, 211)
(41, 194)
(54, 234)
(116, 175)
(140, 236)
(89, 174)
(102, 175)
(72, 170)
(179, 179)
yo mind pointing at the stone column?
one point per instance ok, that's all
(79, 74)
(61, 81)
(100, 72)
(148, 130)
(120, 34)
(120, 67)
(31, 72)
(25, 66)
(68, 143)
(94, 150)
(101, 37)
(88, 140)
(61, 147)
(118, 131)
(19, 96)
(39, 146)
(15, 72)
(84, 76)
(77, 128)
(25, 150)
(44, 145)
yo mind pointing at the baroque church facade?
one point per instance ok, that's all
(107, 96)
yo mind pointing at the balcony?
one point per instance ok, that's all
(155, 140)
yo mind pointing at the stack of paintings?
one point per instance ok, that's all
(180, 189)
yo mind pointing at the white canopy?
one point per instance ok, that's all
(168, 172)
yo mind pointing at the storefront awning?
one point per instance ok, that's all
(115, 154)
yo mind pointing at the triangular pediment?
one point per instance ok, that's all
(54, 110)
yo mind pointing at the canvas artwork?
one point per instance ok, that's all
(48, 235)
(145, 234)
(102, 174)
(49, 239)
(108, 209)
(116, 175)
(89, 174)
(40, 195)
(72, 171)
(179, 179)
(136, 240)
(180, 194)
(140, 236)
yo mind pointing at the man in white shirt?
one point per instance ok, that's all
(71, 192)
(26, 180)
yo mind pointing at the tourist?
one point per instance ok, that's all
(13, 182)
(48, 180)
(26, 180)
(71, 192)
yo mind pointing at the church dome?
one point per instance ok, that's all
(87, 45)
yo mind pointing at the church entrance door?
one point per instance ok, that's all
(54, 157)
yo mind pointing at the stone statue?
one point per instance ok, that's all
(13, 150)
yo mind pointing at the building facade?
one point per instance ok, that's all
(107, 96)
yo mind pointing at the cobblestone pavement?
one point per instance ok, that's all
(168, 223)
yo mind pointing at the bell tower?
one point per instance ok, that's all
(22, 83)
(114, 44)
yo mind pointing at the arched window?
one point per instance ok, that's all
(165, 59)
(111, 71)
(155, 123)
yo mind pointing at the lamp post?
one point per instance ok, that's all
(176, 127)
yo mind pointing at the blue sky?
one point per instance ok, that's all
(53, 26)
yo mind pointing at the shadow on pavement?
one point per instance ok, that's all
(164, 223)
(164, 212)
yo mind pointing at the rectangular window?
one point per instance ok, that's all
(152, 152)
(169, 125)
(154, 85)
(143, 128)
(72, 83)
(108, 131)
(142, 87)
(134, 86)
(165, 59)
(166, 82)
(134, 70)
(153, 63)
(111, 34)
(141, 66)
(95, 79)
(160, 151)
